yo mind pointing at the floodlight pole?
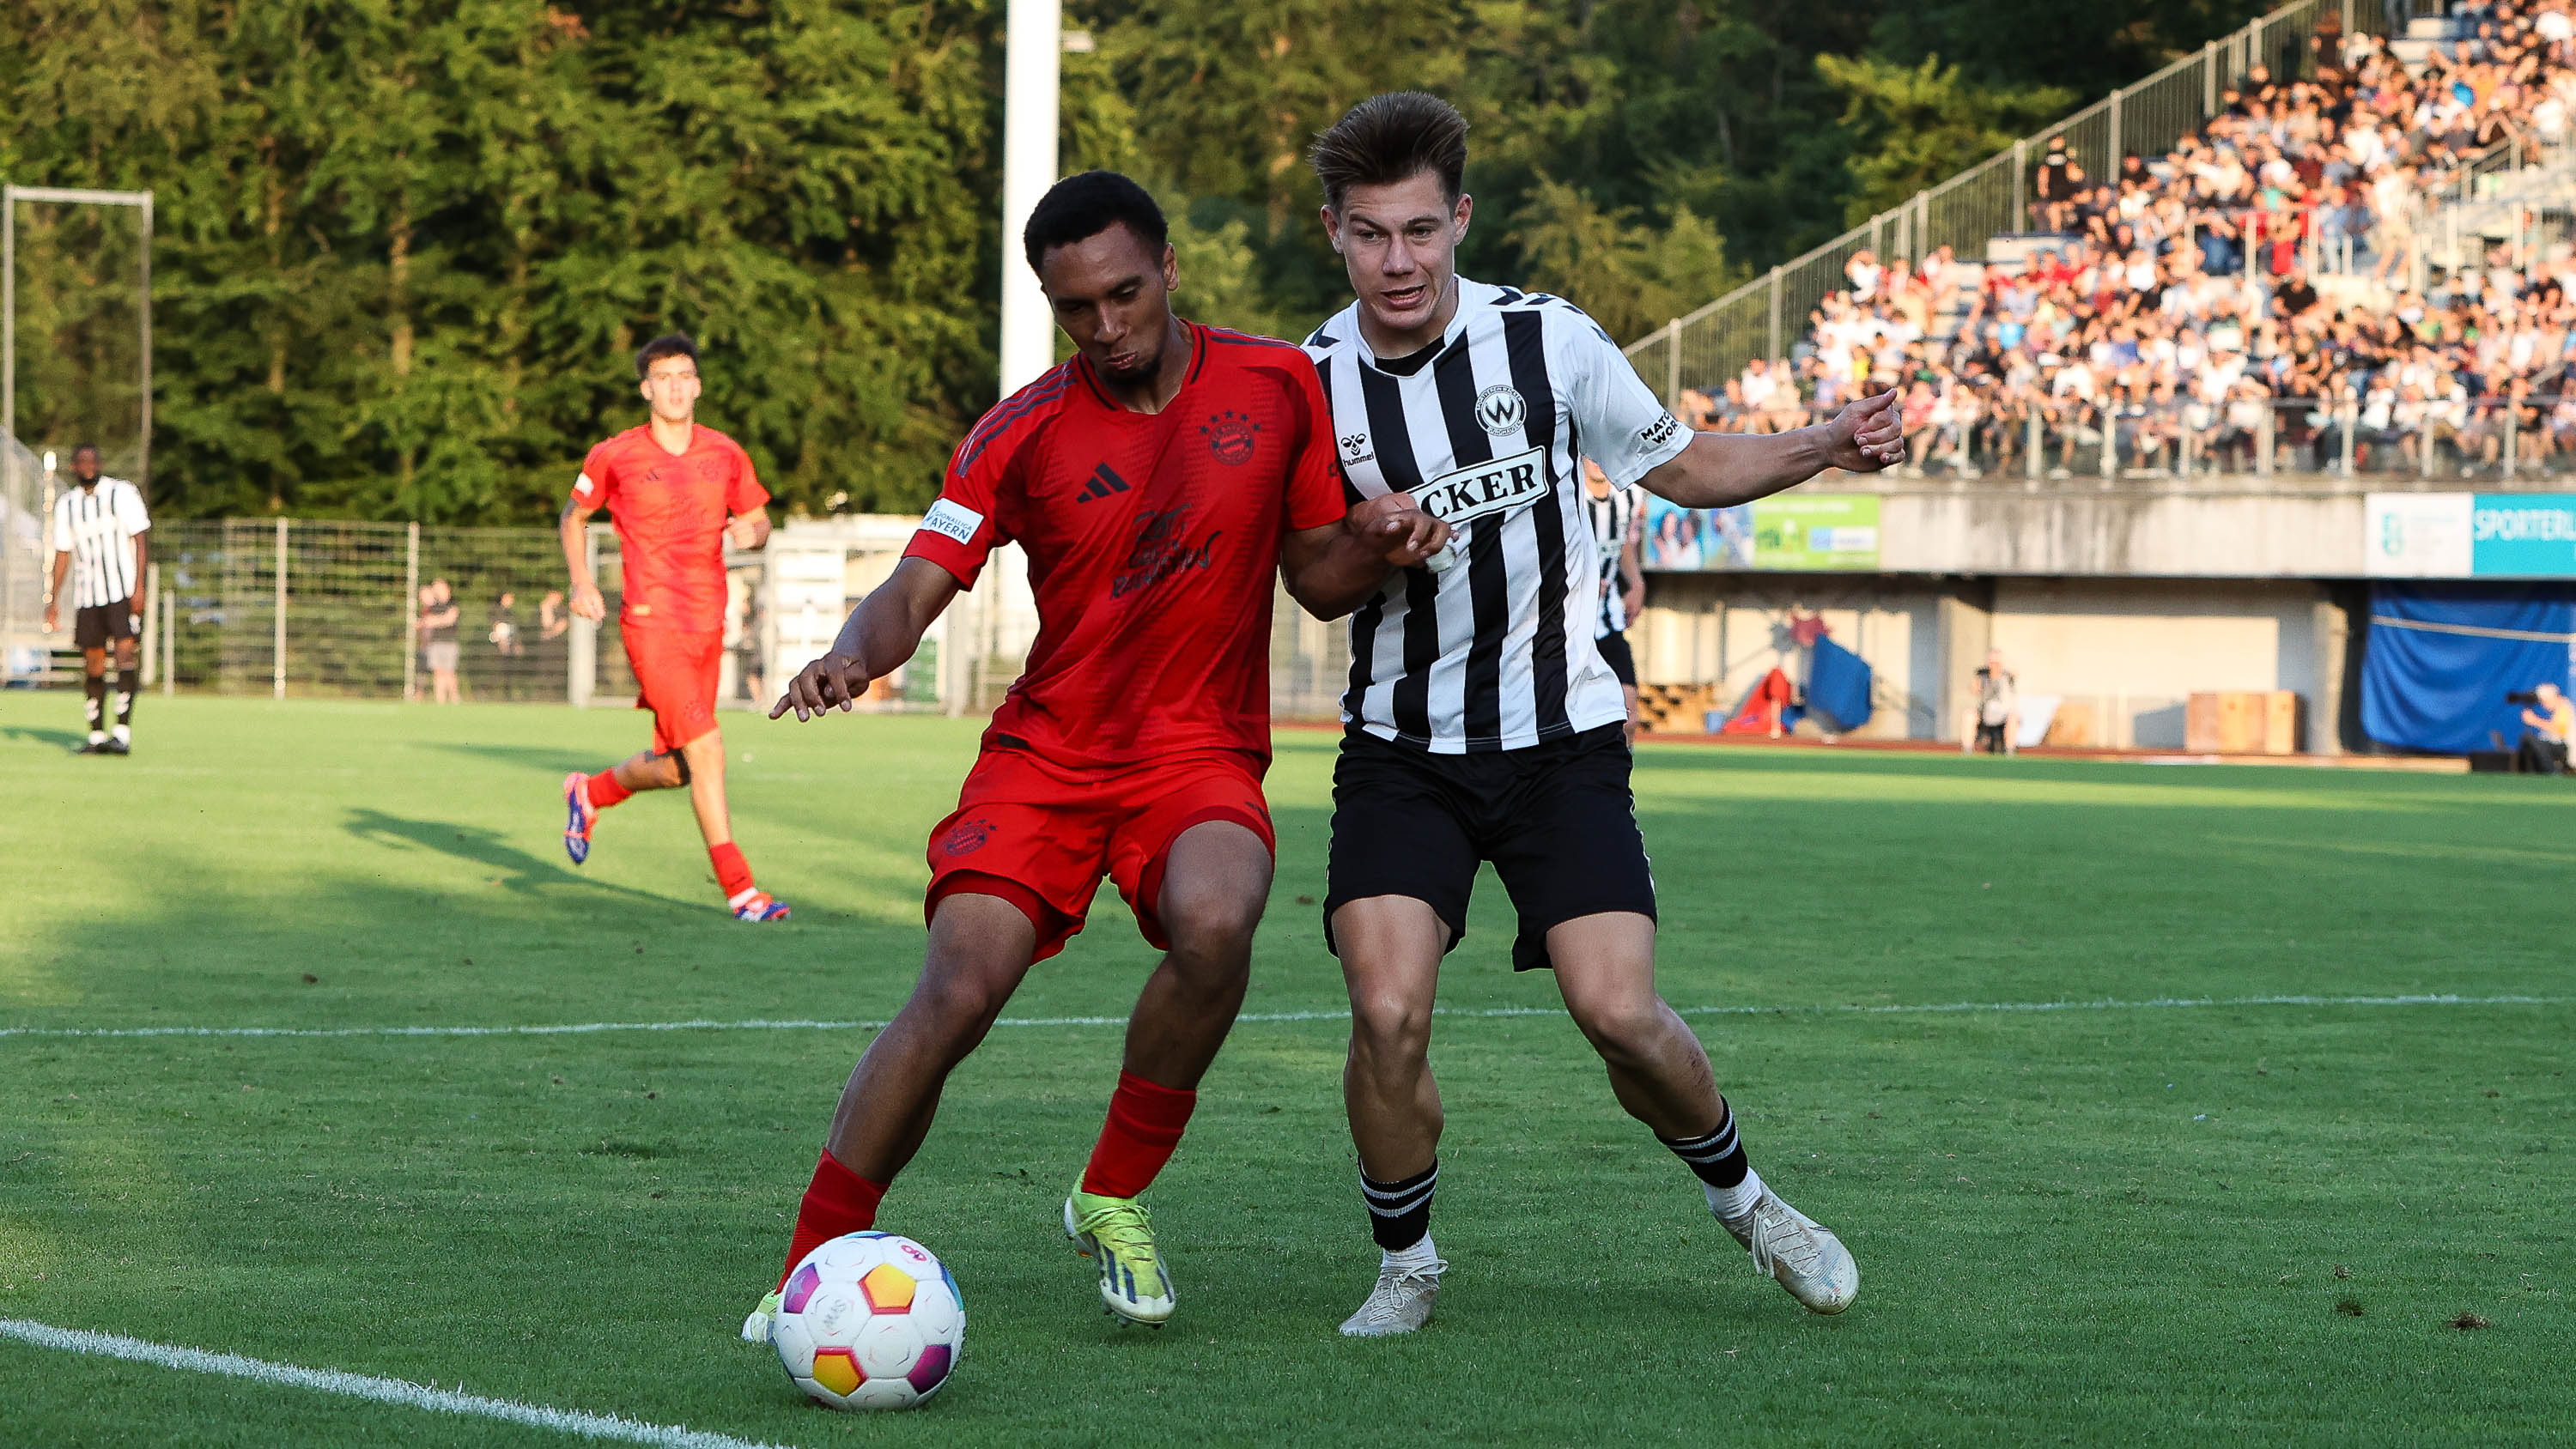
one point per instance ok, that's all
(143, 447)
(1031, 67)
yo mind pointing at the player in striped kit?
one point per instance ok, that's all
(99, 548)
(1482, 724)
(1617, 524)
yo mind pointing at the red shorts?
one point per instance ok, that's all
(675, 677)
(1041, 835)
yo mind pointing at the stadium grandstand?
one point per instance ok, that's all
(2352, 258)
(2184, 378)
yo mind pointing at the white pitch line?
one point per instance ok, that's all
(364, 1386)
(589, 1028)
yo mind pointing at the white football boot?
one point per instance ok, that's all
(1400, 1303)
(1799, 1252)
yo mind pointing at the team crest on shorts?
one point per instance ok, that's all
(1230, 436)
(966, 837)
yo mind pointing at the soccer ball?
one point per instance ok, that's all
(870, 1321)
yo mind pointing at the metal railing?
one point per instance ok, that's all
(2073, 441)
(1968, 211)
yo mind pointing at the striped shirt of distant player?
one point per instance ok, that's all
(1485, 429)
(96, 526)
(1614, 527)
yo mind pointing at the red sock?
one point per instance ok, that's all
(604, 791)
(838, 1202)
(733, 873)
(1145, 1122)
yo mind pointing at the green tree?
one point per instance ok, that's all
(1908, 127)
(1630, 276)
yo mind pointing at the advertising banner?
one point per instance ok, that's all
(2469, 535)
(1800, 532)
(2523, 535)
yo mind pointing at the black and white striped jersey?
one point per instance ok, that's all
(1484, 428)
(1614, 527)
(96, 526)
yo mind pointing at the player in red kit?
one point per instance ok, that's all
(676, 492)
(1156, 480)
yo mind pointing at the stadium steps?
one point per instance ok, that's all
(2423, 33)
(1675, 708)
(1946, 326)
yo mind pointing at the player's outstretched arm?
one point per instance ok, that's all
(1720, 470)
(882, 633)
(1334, 569)
(573, 529)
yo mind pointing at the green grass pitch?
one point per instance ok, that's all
(2137, 1224)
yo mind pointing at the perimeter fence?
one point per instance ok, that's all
(307, 608)
(23, 559)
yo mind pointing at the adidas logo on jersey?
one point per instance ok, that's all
(1480, 489)
(1103, 481)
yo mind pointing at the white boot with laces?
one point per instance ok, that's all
(1408, 1284)
(1795, 1250)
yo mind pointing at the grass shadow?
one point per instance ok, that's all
(521, 872)
(544, 759)
(67, 739)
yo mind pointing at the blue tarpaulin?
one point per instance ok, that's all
(2441, 656)
(1838, 684)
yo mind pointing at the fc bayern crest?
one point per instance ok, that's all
(1230, 436)
(967, 836)
(1499, 409)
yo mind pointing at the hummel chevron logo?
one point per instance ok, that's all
(1103, 481)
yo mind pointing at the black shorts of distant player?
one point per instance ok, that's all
(1556, 819)
(1615, 653)
(100, 625)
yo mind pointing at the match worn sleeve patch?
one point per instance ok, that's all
(583, 488)
(948, 518)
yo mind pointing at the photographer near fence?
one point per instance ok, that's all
(2550, 722)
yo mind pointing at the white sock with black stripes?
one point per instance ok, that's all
(1734, 1204)
(1717, 1158)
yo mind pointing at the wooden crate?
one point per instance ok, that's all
(2075, 725)
(2280, 723)
(2242, 722)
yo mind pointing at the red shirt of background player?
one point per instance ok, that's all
(1153, 541)
(670, 514)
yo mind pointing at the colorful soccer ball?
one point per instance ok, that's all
(870, 1321)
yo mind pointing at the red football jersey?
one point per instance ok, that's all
(670, 514)
(1153, 541)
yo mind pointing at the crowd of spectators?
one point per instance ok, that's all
(2170, 320)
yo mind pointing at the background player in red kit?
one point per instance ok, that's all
(1155, 480)
(676, 492)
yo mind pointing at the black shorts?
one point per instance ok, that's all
(1557, 820)
(96, 626)
(1615, 653)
